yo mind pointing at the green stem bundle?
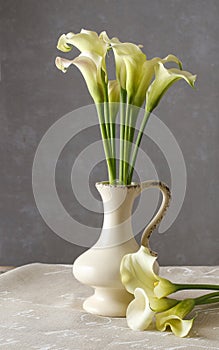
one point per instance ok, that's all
(106, 143)
(207, 299)
(128, 117)
(137, 144)
(122, 134)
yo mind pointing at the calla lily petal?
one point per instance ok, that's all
(171, 58)
(113, 91)
(145, 78)
(139, 314)
(128, 68)
(128, 49)
(84, 41)
(174, 318)
(63, 45)
(147, 74)
(100, 65)
(164, 78)
(90, 74)
(89, 71)
(133, 66)
(137, 271)
(62, 64)
(91, 61)
(128, 58)
(164, 287)
(114, 98)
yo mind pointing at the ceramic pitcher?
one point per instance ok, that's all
(99, 267)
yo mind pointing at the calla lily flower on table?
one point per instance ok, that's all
(140, 278)
(142, 309)
(174, 318)
(139, 314)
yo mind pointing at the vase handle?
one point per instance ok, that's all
(161, 212)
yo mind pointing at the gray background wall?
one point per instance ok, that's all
(34, 94)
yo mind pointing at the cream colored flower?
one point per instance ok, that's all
(90, 71)
(128, 59)
(146, 75)
(137, 271)
(174, 318)
(91, 61)
(139, 278)
(86, 40)
(139, 315)
(142, 309)
(164, 78)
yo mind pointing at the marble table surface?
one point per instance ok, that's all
(41, 309)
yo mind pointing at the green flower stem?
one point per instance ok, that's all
(122, 133)
(137, 144)
(196, 286)
(106, 143)
(133, 119)
(109, 128)
(113, 145)
(127, 142)
(105, 114)
(207, 299)
(107, 121)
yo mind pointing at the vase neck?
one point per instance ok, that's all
(117, 203)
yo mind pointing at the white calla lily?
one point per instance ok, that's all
(89, 71)
(128, 59)
(91, 61)
(142, 308)
(137, 271)
(139, 314)
(86, 40)
(146, 75)
(174, 318)
(164, 78)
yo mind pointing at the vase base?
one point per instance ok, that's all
(108, 302)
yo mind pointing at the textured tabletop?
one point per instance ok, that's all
(41, 309)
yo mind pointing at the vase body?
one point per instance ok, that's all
(99, 267)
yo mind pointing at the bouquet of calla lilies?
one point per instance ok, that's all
(139, 82)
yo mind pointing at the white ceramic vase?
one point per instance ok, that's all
(99, 267)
